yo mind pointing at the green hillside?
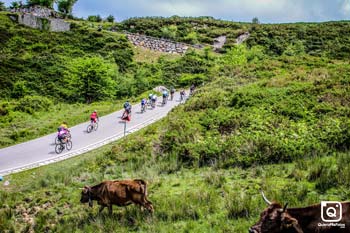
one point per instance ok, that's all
(36, 62)
(329, 39)
(279, 123)
(49, 77)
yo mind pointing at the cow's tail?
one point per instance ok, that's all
(143, 186)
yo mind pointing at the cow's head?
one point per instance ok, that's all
(275, 219)
(86, 195)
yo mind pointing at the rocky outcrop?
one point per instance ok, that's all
(219, 42)
(242, 38)
(161, 45)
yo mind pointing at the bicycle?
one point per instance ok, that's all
(182, 98)
(165, 99)
(57, 141)
(92, 126)
(64, 144)
(153, 104)
(143, 108)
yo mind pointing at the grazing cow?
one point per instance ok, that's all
(117, 192)
(275, 219)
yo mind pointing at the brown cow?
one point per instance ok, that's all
(117, 192)
(275, 219)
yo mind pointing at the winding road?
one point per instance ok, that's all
(41, 151)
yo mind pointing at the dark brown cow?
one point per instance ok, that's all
(275, 219)
(117, 192)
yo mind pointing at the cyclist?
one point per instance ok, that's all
(94, 116)
(63, 132)
(150, 99)
(143, 104)
(154, 100)
(127, 112)
(182, 95)
(172, 92)
(127, 107)
(192, 89)
(165, 96)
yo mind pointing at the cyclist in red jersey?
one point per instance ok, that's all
(94, 117)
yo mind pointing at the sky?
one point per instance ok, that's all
(267, 11)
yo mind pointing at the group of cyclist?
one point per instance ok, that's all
(63, 131)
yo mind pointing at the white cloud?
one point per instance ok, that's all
(346, 8)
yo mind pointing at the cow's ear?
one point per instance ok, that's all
(289, 222)
(86, 189)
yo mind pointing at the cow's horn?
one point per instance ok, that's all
(285, 207)
(265, 199)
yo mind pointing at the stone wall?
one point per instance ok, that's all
(156, 44)
(42, 18)
(59, 25)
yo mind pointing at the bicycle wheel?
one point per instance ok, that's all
(59, 148)
(96, 126)
(69, 145)
(57, 141)
(89, 128)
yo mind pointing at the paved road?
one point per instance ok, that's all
(41, 151)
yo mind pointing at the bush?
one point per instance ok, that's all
(31, 104)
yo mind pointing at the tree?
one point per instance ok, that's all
(45, 3)
(14, 5)
(89, 79)
(236, 56)
(255, 20)
(110, 18)
(2, 6)
(94, 18)
(191, 38)
(295, 49)
(66, 6)
(169, 32)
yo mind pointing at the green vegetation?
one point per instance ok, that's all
(110, 18)
(66, 6)
(45, 3)
(43, 74)
(186, 29)
(94, 18)
(2, 6)
(276, 119)
(329, 39)
(207, 199)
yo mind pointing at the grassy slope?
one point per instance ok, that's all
(172, 156)
(23, 46)
(186, 200)
(38, 59)
(206, 161)
(329, 38)
(148, 56)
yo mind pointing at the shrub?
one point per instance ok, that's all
(31, 104)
